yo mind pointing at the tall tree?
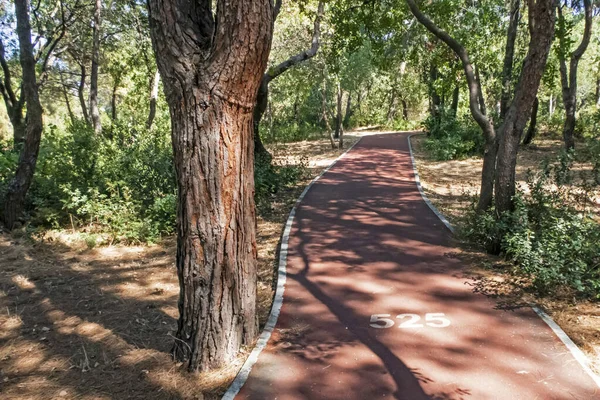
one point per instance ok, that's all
(94, 110)
(19, 186)
(509, 55)
(211, 66)
(568, 75)
(542, 17)
(262, 97)
(499, 162)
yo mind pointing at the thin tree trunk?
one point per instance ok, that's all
(81, 94)
(338, 116)
(551, 105)
(391, 114)
(326, 117)
(404, 110)
(455, 96)
(348, 113)
(509, 54)
(113, 100)
(568, 78)
(435, 98)
(531, 131)
(94, 111)
(211, 77)
(14, 202)
(541, 28)
(153, 98)
(67, 101)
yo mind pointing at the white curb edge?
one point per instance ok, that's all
(264, 337)
(579, 356)
(423, 195)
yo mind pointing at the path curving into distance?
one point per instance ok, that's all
(375, 306)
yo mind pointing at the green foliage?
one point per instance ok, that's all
(549, 236)
(8, 165)
(121, 183)
(451, 137)
(271, 178)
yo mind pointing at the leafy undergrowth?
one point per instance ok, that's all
(85, 322)
(548, 265)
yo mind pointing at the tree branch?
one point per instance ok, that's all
(461, 52)
(7, 77)
(279, 69)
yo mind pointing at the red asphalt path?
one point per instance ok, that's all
(364, 243)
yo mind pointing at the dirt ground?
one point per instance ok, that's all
(77, 323)
(451, 185)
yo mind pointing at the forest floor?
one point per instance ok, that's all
(79, 323)
(452, 185)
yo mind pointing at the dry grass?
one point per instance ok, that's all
(451, 186)
(98, 324)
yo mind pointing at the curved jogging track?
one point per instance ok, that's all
(365, 248)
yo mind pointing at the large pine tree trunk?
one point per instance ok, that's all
(14, 201)
(216, 251)
(211, 77)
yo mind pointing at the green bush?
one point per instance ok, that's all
(550, 237)
(121, 183)
(270, 178)
(450, 137)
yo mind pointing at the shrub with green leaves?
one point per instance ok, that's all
(550, 236)
(450, 137)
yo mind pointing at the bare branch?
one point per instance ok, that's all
(279, 69)
(7, 77)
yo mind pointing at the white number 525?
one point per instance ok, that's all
(432, 320)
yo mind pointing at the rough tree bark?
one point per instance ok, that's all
(542, 17)
(274, 72)
(17, 189)
(153, 98)
(489, 158)
(211, 67)
(531, 131)
(568, 77)
(94, 111)
(509, 55)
